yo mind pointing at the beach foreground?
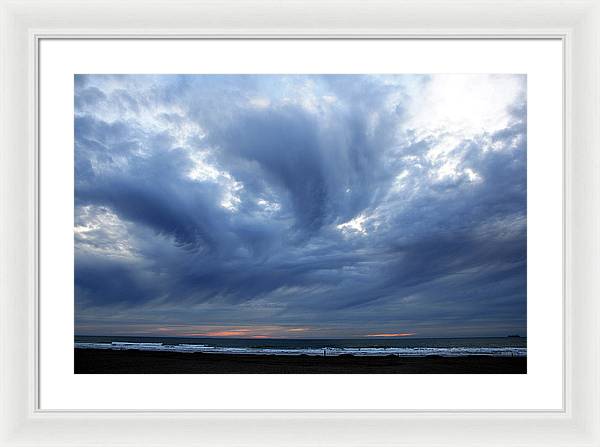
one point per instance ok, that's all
(99, 361)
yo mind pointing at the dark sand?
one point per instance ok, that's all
(98, 361)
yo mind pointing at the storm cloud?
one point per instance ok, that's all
(300, 205)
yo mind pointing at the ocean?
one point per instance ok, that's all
(410, 347)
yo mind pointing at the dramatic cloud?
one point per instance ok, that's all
(300, 206)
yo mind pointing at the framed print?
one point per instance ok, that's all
(247, 224)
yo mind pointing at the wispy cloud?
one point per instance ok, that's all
(318, 206)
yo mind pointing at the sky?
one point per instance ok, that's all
(300, 206)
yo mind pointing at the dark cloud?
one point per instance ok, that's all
(295, 201)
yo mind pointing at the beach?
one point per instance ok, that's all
(104, 361)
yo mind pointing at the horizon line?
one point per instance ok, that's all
(365, 337)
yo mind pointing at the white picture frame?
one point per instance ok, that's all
(24, 23)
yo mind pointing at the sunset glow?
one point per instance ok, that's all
(401, 334)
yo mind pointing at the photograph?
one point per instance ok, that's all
(300, 223)
(261, 224)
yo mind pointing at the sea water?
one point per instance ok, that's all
(447, 347)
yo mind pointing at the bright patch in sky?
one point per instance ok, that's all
(354, 225)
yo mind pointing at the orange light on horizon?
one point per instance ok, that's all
(242, 332)
(401, 334)
(230, 333)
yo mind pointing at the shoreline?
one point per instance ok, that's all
(99, 361)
